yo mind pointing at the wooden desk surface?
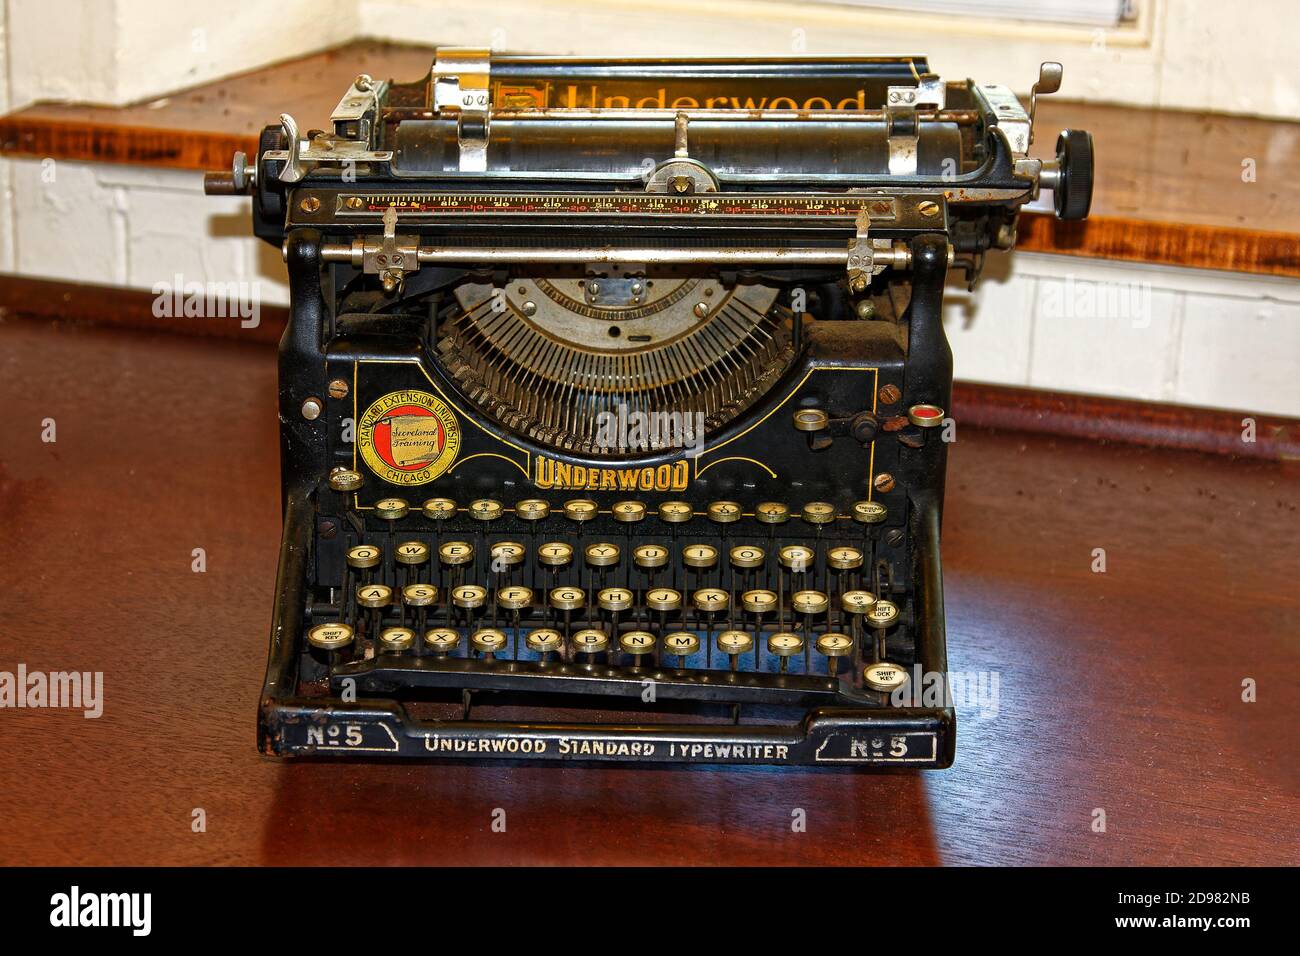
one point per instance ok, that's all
(1169, 184)
(1119, 691)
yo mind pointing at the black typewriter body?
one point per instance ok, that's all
(613, 419)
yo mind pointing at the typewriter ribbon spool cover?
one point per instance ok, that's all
(629, 398)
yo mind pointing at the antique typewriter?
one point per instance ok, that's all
(613, 403)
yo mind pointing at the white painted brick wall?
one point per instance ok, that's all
(1187, 336)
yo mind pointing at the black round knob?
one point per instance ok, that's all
(1073, 192)
(863, 427)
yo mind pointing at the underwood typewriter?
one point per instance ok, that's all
(613, 404)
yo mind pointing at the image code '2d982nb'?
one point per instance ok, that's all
(613, 412)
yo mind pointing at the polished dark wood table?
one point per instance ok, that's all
(1119, 691)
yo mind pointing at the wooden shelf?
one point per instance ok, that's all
(1169, 184)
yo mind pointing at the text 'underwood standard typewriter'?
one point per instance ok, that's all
(613, 404)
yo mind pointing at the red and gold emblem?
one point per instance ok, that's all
(408, 437)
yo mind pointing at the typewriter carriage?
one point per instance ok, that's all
(518, 268)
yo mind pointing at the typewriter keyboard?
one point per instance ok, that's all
(708, 601)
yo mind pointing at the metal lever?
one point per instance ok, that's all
(1049, 81)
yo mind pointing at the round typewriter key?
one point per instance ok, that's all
(884, 676)
(857, 601)
(363, 556)
(395, 639)
(532, 509)
(683, 644)
(796, 557)
(833, 647)
(785, 645)
(580, 509)
(442, 640)
(809, 602)
(869, 512)
(374, 595)
(819, 512)
(676, 512)
(710, 599)
(637, 643)
(844, 558)
(391, 509)
(507, 554)
(602, 555)
(488, 641)
(590, 641)
(747, 556)
(439, 509)
(615, 599)
(663, 599)
(345, 479)
(469, 596)
(553, 554)
(723, 512)
(456, 553)
(419, 595)
(882, 614)
(650, 556)
(514, 598)
(628, 511)
(735, 643)
(811, 420)
(700, 555)
(567, 599)
(925, 416)
(486, 509)
(544, 640)
(772, 512)
(758, 601)
(330, 637)
(411, 553)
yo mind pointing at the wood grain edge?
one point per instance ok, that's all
(1163, 243)
(38, 137)
(1035, 411)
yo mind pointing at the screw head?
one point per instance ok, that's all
(701, 309)
(309, 204)
(311, 409)
(883, 482)
(928, 208)
(529, 307)
(338, 388)
(355, 202)
(889, 394)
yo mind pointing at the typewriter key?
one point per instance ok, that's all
(589, 641)
(486, 509)
(796, 557)
(869, 512)
(602, 555)
(925, 416)
(419, 595)
(544, 640)
(683, 644)
(456, 553)
(663, 599)
(884, 677)
(723, 512)
(391, 509)
(809, 602)
(759, 601)
(515, 597)
(439, 509)
(393, 640)
(555, 554)
(507, 554)
(676, 512)
(363, 556)
(844, 558)
(772, 512)
(567, 599)
(710, 600)
(700, 555)
(833, 647)
(345, 480)
(580, 509)
(487, 641)
(628, 511)
(785, 645)
(330, 637)
(412, 553)
(532, 509)
(442, 640)
(615, 599)
(374, 595)
(469, 596)
(819, 512)
(637, 643)
(882, 614)
(735, 643)
(650, 556)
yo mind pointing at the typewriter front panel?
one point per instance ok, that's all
(589, 458)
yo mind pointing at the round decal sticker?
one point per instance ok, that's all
(408, 437)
